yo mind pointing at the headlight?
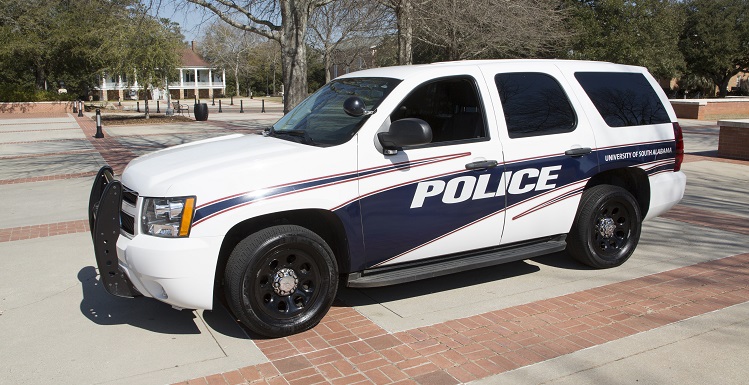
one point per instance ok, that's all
(167, 217)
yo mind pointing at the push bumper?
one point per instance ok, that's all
(179, 271)
(104, 222)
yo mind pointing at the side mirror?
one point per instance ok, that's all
(405, 132)
(354, 106)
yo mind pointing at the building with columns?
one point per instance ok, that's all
(197, 79)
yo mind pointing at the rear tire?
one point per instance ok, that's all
(281, 280)
(607, 227)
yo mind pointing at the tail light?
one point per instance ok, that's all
(679, 155)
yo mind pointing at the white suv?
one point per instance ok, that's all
(391, 175)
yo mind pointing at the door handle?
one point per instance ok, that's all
(481, 164)
(575, 152)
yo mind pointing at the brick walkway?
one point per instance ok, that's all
(347, 348)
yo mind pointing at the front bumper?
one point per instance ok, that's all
(104, 221)
(178, 271)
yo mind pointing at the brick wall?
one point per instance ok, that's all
(715, 110)
(36, 108)
(733, 141)
(711, 109)
(688, 111)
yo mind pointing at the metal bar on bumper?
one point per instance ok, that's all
(104, 221)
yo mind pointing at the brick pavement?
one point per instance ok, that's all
(348, 348)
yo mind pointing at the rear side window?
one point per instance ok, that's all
(623, 99)
(534, 104)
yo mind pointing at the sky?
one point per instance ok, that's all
(192, 19)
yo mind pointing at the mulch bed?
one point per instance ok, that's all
(140, 119)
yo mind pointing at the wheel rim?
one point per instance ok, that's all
(612, 228)
(285, 282)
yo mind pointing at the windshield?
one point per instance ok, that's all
(320, 120)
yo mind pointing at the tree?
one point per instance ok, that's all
(490, 29)
(285, 21)
(143, 46)
(346, 21)
(715, 41)
(404, 17)
(264, 63)
(45, 43)
(228, 47)
(642, 32)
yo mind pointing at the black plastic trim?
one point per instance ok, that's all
(407, 272)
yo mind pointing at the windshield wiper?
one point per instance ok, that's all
(299, 136)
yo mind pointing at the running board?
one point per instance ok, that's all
(391, 275)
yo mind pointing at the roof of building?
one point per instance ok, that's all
(191, 58)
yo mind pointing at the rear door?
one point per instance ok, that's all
(549, 148)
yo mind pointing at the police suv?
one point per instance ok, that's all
(391, 175)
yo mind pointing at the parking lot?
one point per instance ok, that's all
(675, 313)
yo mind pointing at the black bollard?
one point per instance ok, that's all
(99, 133)
(219, 106)
(232, 100)
(80, 109)
(75, 107)
(262, 108)
(119, 102)
(137, 106)
(241, 106)
(157, 107)
(213, 100)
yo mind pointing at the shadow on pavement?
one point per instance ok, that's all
(103, 308)
(434, 285)
(222, 321)
(561, 260)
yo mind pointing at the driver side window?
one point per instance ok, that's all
(451, 106)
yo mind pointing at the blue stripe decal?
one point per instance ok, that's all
(217, 207)
(391, 227)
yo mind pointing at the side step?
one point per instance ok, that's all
(391, 275)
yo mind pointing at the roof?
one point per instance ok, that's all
(191, 59)
(403, 72)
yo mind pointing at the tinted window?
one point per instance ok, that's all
(623, 99)
(451, 106)
(534, 104)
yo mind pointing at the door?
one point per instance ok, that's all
(549, 148)
(439, 198)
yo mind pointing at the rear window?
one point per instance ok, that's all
(623, 99)
(534, 104)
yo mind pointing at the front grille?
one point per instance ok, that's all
(128, 210)
(127, 223)
(129, 196)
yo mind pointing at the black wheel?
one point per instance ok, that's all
(281, 280)
(607, 227)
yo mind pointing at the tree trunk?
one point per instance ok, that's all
(294, 17)
(236, 79)
(404, 17)
(41, 77)
(327, 59)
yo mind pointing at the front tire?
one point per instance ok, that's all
(281, 280)
(607, 227)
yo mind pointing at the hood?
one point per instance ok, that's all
(193, 167)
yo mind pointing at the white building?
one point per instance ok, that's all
(197, 78)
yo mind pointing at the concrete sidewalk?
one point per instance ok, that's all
(675, 313)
